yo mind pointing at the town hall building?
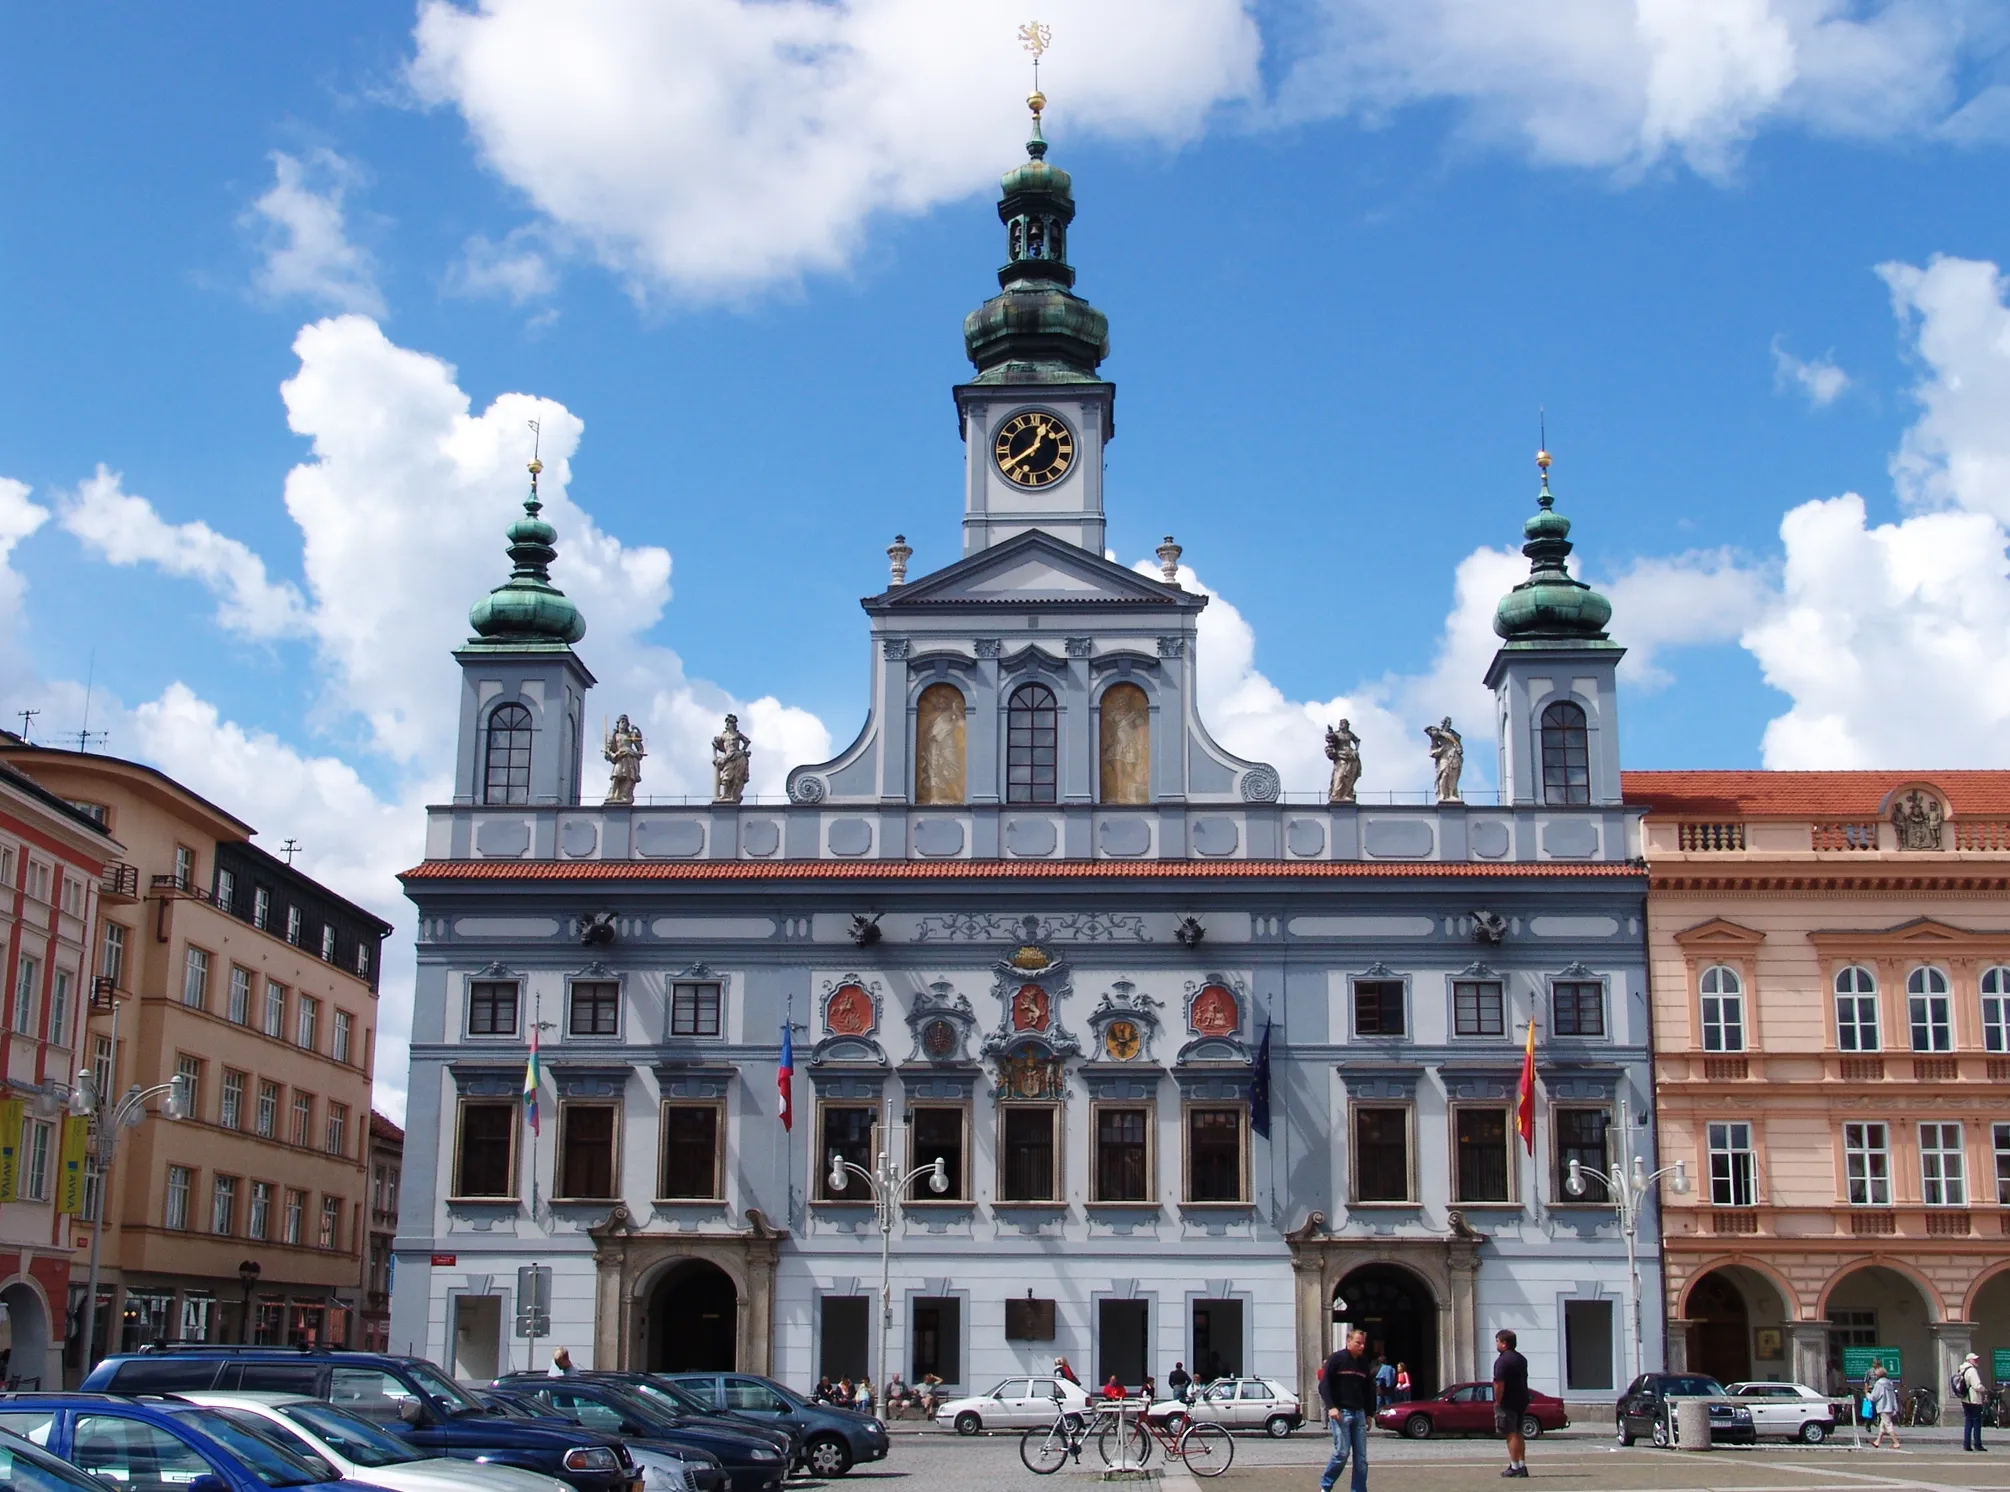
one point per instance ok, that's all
(1203, 1073)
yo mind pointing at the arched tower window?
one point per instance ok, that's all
(938, 745)
(506, 768)
(1566, 755)
(1124, 720)
(1031, 737)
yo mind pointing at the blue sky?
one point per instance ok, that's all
(1743, 251)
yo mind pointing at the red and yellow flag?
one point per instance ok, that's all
(1524, 1108)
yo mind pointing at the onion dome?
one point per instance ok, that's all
(1550, 605)
(1036, 330)
(528, 608)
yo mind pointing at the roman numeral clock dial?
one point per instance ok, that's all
(1034, 449)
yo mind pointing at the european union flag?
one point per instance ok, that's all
(1259, 1086)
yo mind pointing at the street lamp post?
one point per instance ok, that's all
(247, 1275)
(887, 1184)
(1626, 1192)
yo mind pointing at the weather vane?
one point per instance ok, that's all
(536, 463)
(1542, 451)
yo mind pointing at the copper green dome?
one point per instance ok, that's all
(1550, 604)
(528, 608)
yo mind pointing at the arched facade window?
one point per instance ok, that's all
(938, 745)
(1723, 1006)
(1996, 1009)
(506, 762)
(1566, 754)
(1929, 1010)
(1124, 728)
(1856, 1010)
(1032, 755)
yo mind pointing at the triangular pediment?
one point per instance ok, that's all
(1032, 567)
(1719, 932)
(1920, 932)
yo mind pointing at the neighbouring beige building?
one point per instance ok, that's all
(259, 985)
(387, 1168)
(1831, 996)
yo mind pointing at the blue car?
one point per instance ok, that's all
(161, 1445)
(26, 1467)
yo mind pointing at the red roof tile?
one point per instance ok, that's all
(1855, 795)
(971, 870)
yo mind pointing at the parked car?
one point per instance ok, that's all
(1790, 1409)
(1468, 1409)
(755, 1459)
(1238, 1404)
(406, 1395)
(833, 1440)
(681, 1399)
(26, 1467)
(157, 1444)
(1643, 1409)
(1015, 1404)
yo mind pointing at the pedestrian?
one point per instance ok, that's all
(862, 1400)
(1150, 1391)
(822, 1395)
(1402, 1383)
(1113, 1390)
(561, 1363)
(1883, 1398)
(1510, 1400)
(1062, 1370)
(843, 1396)
(929, 1397)
(1385, 1384)
(1178, 1380)
(1973, 1397)
(1347, 1386)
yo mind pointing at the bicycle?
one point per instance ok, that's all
(1921, 1407)
(1207, 1449)
(1996, 1409)
(1047, 1451)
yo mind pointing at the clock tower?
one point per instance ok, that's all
(1036, 415)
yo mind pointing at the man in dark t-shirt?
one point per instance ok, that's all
(1347, 1384)
(1510, 1400)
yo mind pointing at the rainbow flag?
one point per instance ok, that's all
(531, 1077)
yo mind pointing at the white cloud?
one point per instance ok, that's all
(1819, 380)
(19, 518)
(1958, 452)
(518, 267)
(1700, 599)
(715, 146)
(305, 238)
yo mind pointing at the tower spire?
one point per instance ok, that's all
(1551, 604)
(528, 608)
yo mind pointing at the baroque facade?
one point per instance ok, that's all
(1831, 957)
(1208, 1072)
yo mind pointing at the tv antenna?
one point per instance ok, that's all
(85, 735)
(27, 721)
(290, 849)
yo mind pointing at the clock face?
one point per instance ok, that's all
(1034, 449)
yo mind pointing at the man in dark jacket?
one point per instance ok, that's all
(1177, 1380)
(1510, 1400)
(1347, 1384)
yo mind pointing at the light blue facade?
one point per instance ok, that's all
(1159, 939)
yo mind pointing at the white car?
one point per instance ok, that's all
(1015, 1404)
(315, 1429)
(1239, 1404)
(1790, 1409)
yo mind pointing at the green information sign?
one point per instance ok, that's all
(1858, 1361)
(1999, 1365)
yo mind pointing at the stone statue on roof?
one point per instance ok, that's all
(732, 759)
(624, 752)
(1448, 750)
(1343, 749)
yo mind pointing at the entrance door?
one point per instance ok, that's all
(1217, 1339)
(1397, 1311)
(1120, 1342)
(477, 1337)
(1723, 1330)
(694, 1321)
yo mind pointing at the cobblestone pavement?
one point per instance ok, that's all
(1574, 1461)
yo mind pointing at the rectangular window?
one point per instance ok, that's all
(1378, 1007)
(595, 1008)
(1480, 1136)
(261, 1210)
(1123, 1155)
(195, 979)
(1996, 1010)
(1943, 1170)
(691, 1157)
(268, 1109)
(1856, 1023)
(189, 1070)
(694, 1010)
(261, 907)
(1578, 1006)
(226, 889)
(307, 1024)
(1381, 1154)
(38, 881)
(586, 1150)
(1214, 1155)
(1733, 1171)
(27, 979)
(230, 1114)
(101, 1063)
(303, 1119)
(1867, 1164)
(35, 1143)
(275, 1010)
(338, 1129)
(1477, 1008)
(293, 925)
(59, 1008)
(1028, 1158)
(73, 896)
(296, 1209)
(485, 1163)
(1587, 1346)
(328, 942)
(363, 958)
(331, 1222)
(1932, 1022)
(848, 1132)
(112, 955)
(176, 1215)
(492, 1007)
(344, 1023)
(1580, 1137)
(2001, 1136)
(240, 995)
(184, 868)
(937, 1131)
(223, 1206)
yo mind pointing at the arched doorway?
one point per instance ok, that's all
(1397, 1311)
(1720, 1334)
(28, 1338)
(1989, 1309)
(1877, 1306)
(694, 1320)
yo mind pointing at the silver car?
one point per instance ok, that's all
(1240, 1404)
(1015, 1404)
(1787, 1409)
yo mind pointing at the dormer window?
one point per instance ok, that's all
(506, 777)
(1031, 746)
(1566, 755)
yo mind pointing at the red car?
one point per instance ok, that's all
(1468, 1409)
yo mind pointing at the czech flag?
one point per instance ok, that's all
(785, 1079)
(1524, 1109)
(531, 1078)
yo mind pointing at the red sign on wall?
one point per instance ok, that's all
(445, 1261)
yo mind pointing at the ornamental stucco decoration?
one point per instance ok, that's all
(1260, 784)
(806, 787)
(1029, 987)
(1172, 647)
(989, 647)
(851, 1006)
(998, 927)
(895, 648)
(1081, 647)
(1216, 1005)
(1920, 820)
(1124, 1026)
(941, 1023)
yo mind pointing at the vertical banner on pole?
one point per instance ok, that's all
(10, 1148)
(70, 1178)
